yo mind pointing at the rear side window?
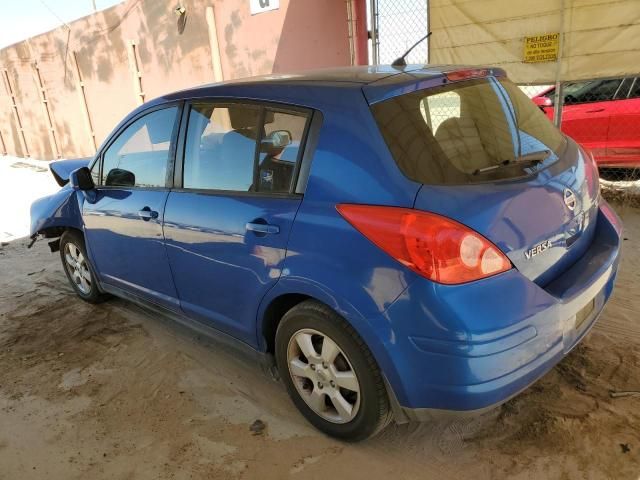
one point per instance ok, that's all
(139, 156)
(458, 133)
(242, 148)
(279, 151)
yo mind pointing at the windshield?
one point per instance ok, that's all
(456, 133)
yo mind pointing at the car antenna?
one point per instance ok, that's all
(400, 61)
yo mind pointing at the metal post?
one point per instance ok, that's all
(351, 31)
(214, 46)
(14, 105)
(42, 93)
(559, 97)
(46, 110)
(135, 72)
(361, 34)
(82, 97)
(3, 146)
(375, 50)
(428, 30)
(558, 102)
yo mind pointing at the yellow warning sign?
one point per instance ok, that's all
(541, 48)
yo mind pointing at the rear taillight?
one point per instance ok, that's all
(433, 246)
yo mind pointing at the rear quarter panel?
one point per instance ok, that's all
(326, 257)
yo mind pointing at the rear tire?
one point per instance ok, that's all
(78, 269)
(337, 384)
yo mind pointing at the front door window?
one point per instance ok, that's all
(140, 155)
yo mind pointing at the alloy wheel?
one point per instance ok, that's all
(77, 267)
(323, 376)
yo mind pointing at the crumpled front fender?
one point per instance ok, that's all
(62, 209)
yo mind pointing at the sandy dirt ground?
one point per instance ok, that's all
(113, 392)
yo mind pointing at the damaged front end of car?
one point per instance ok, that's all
(52, 214)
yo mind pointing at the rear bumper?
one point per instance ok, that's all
(487, 396)
(470, 348)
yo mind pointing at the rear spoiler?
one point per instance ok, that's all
(411, 79)
(63, 168)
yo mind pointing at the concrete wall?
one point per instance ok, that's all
(93, 63)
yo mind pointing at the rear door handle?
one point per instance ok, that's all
(262, 228)
(147, 214)
(596, 110)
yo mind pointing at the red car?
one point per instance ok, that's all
(603, 116)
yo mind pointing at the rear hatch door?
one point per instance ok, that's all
(490, 159)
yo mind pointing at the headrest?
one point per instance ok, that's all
(242, 118)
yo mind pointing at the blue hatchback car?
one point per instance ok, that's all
(400, 242)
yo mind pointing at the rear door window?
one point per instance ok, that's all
(242, 148)
(466, 132)
(279, 151)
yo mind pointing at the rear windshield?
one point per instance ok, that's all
(468, 132)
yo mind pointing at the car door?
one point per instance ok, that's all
(226, 227)
(623, 143)
(123, 224)
(586, 113)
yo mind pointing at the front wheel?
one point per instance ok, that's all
(78, 269)
(330, 373)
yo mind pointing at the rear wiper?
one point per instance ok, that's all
(529, 158)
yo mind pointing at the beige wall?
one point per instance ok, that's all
(171, 54)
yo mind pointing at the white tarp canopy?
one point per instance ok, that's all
(598, 38)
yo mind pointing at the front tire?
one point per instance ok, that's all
(330, 373)
(78, 269)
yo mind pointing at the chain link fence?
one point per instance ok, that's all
(400, 24)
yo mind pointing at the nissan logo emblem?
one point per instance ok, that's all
(570, 199)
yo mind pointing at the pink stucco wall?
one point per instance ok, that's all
(171, 54)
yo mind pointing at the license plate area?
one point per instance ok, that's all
(584, 313)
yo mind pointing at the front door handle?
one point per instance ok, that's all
(262, 228)
(147, 214)
(596, 110)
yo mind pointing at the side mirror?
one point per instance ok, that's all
(80, 179)
(118, 177)
(542, 102)
(276, 141)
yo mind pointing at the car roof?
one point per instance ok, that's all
(360, 74)
(312, 88)
(363, 75)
